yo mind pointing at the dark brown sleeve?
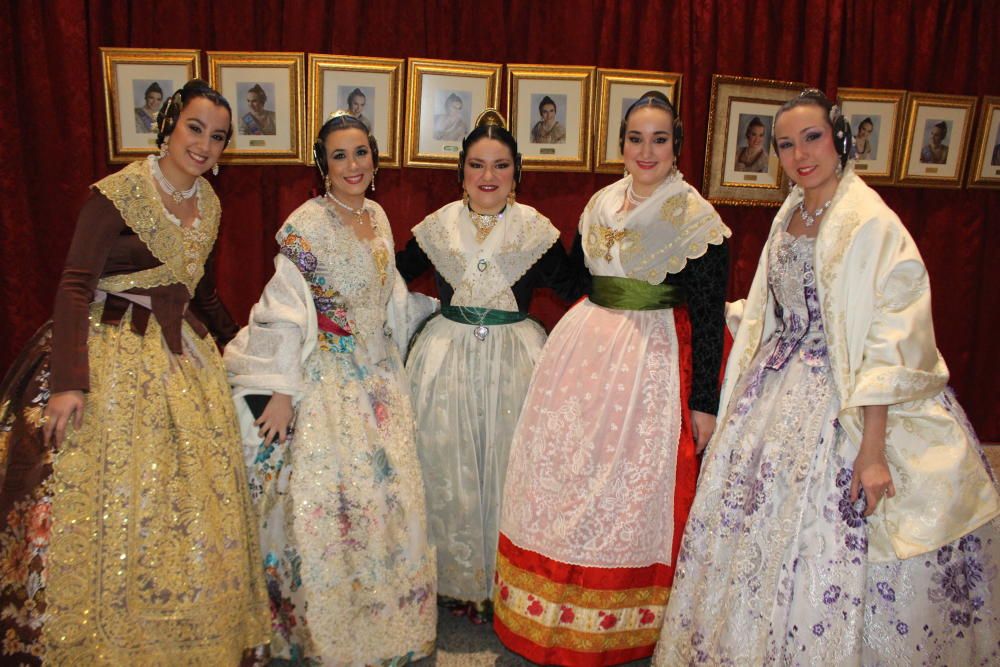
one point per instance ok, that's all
(209, 308)
(97, 228)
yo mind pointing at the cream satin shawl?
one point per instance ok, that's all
(876, 306)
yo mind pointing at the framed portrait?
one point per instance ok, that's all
(876, 119)
(548, 108)
(984, 172)
(266, 91)
(370, 89)
(444, 97)
(936, 139)
(617, 89)
(740, 164)
(136, 83)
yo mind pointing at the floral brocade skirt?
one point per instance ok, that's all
(349, 570)
(774, 566)
(135, 543)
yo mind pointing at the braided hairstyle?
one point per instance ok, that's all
(340, 120)
(843, 139)
(490, 125)
(656, 99)
(166, 120)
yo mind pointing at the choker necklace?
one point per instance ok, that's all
(809, 219)
(485, 222)
(358, 212)
(633, 198)
(177, 195)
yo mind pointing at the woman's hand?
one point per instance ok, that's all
(276, 418)
(62, 407)
(702, 427)
(871, 469)
(871, 473)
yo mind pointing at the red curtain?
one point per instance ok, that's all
(53, 137)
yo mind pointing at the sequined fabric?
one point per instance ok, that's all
(773, 566)
(350, 574)
(140, 547)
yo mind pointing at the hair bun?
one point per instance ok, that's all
(491, 117)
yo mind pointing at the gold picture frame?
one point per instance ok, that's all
(273, 133)
(443, 99)
(875, 116)
(132, 80)
(562, 95)
(616, 90)
(984, 170)
(369, 88)
(739, 106)
(950, 117)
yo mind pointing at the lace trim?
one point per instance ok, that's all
(182, 250)
(154, 277)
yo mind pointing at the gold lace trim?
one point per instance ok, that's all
(154, 277)
(182, 250)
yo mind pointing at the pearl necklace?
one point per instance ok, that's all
(633, 199)
(485, 222)
(358, 212)
(809, 219)
(177, 195)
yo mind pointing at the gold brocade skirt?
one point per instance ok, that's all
(151, 556)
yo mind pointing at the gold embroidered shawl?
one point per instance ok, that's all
(183, 251)
(656, 238)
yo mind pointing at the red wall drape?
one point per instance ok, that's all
(53, 141)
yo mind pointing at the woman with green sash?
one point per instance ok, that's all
(469, 368)
(603, 464)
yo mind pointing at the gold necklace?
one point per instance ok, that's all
(485, 222)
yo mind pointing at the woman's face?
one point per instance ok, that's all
(455, 108)
(548, 114)
(357, 105)
(864, 130)
(937, 135)
(350, 166)
(805, 148)
(153, 101)
(649, 148)
(255, 102)
(199, 137)
(488, 175)
(755, 137)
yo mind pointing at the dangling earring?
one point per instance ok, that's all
(465, 197)
(839, 170)
(624, 172)
(373, 179)
(328, 184)
(163, 149)
(511, 196)
(215, 169)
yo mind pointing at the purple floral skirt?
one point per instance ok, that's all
(773, 566)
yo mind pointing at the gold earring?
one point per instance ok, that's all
(215, 169)
(511, 196)
(328, 183)
(465, 197)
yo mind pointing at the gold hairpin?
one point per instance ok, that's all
(490, 117)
